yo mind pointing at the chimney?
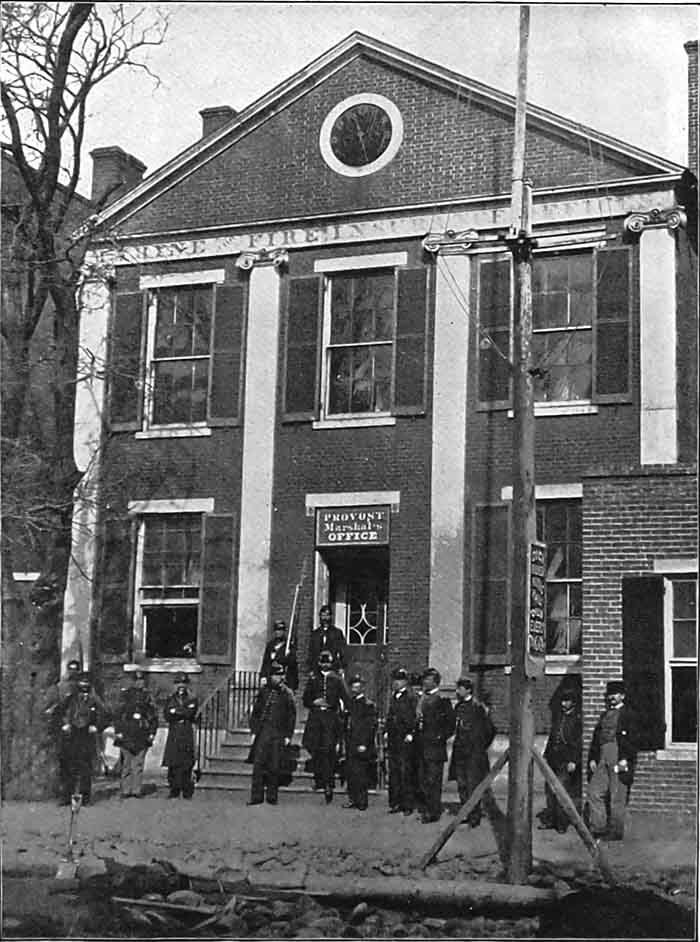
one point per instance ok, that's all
(113, 173)
(215, 118)
(692, 49)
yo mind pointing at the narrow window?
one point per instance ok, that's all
(680, 603)
(559, 526)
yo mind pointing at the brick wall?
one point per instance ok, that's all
(451, 148)
(629, 520)
(692, 50)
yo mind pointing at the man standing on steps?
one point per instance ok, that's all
(276, 653)
(324, 696)
(435, 723)
(399, 734)
(360, 747)
(327, 638)
(272, 723)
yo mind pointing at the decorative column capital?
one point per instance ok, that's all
(275, 257)
(450, 242)
(672, 218)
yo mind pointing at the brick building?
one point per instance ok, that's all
(305, 386)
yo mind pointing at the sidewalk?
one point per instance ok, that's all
(215, 834)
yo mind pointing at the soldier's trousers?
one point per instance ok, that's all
(605, 782)
(324, 768)
(402, 778)
(180, 780)
(571, 781)
(430, 783)
(131, 772)
(470, 771)
(357, 771)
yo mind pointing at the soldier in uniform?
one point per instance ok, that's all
(400, 727)
(272, 723)
(275, 653)
(611, 760)
(327, 638)
(474, 733)
(324, 697)
(360, 745)
(55, 701)
(134, 731)
(435, 723)
(178, 757)
(563, 755)
(82, 721)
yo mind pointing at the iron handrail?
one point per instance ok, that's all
(226, 708)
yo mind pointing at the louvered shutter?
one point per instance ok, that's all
(226, 369)
(611, 377)
(126, 361)
(494, 330)
(116, 609)
(218, 594)
(643, 656)
(301, 361)
(490, 590)
(410, 367)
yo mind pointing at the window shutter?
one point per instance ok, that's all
(611, 377)
(643, 656)
(116, 614)
(301, 361)
(494, 330)
(410, 367)
(219, 574)
(126, 392)
(226, 370)
(490, 590)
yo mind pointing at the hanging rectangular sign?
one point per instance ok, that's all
(352, 526)
(536, 610)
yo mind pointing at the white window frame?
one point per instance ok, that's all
(152, 284)
(670, 661)
(142, 510)
(340, 266)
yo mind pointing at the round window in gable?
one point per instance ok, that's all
(361, 135)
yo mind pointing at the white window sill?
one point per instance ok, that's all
(174, 665)
(367, 421)
(561, 663)
(175, 431)
(687, 752)
(561, 408)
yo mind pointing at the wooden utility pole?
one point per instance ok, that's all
(523, 506)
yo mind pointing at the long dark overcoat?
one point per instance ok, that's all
(324, 726)
(436, 727)
(272, 721)
(474, 733)
(179, 715)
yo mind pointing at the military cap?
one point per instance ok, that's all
(279, 625)
(356, 679)
(465, 682)
(325, 608)
(432, 672)
(325, 657)
(139, 675)
(277, 669)
(84, 682)
(569, 691)
(181, 680)
(73, 665)
(615, 686)
(399, 674)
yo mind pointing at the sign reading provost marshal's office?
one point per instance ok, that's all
(352, 526)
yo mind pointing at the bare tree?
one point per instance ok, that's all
(54, 55)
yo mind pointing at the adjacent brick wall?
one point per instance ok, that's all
(692, 49)
(629, 520)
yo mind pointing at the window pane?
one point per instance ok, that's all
(180, 391)
(361, 395)
(684, 694)
(382, 379)
(165, 321)
(684, 639)
(565, 359)
(202, 320)
(684, 598)
(172, 550)
(339, 384)
(170, 632)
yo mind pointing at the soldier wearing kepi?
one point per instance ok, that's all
(178, 757)
(474, 733)
(327, 638)
(360, 746)
(611, 760)
(400, 727)
(324, 696)
(276, 653)
(58, 695)
(82, 720)
(134, 732)
(563, 755)
(272, 722)
(435, 723)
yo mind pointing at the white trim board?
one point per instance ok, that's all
(549, 492)
(185, 505)
(354, 262)
(352, 499)
(173, 279)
